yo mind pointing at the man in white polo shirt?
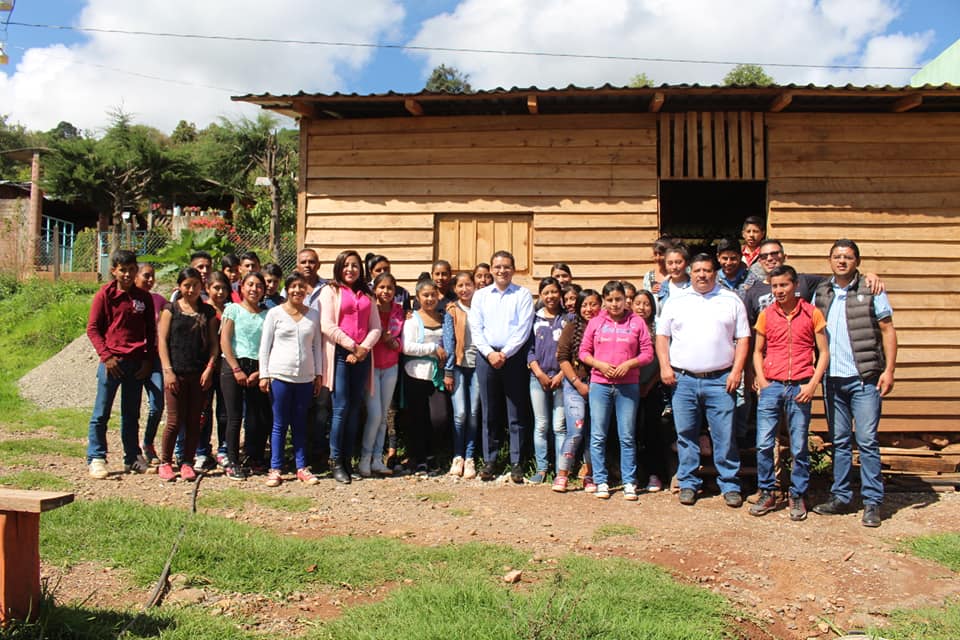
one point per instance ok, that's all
(703, 340)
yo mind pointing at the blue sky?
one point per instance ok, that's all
(58, 75)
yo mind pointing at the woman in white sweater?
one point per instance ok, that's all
(291, 365)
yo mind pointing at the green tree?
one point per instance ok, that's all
(184, 133)
(641, 80)
(12, 136)
(63, 131)
(747, 74)
(448, 80)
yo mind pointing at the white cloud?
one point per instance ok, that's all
(82, 83)
(763, 31)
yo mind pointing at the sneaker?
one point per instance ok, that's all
(630, 492)
(798, 508)
(273, 478)
(602, 491)
(654, 485)
(560, 484)
(422, 469)
(667, 412)
(456, 467)
(538, 478)
(488, 472)
(200, 462)
(516, 474)
(365, 468)
(140, 465)
(150, 453)
(235, 472)
(166, 473)
(765, 504)
(589, 486)
(223, 461)
(832, 507)
(187, 474)
(469, 469)
(98, 468)
(688, 497)
(306, 476)
(871, 515)
(733, 499)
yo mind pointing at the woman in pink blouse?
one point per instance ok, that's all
(351, 327)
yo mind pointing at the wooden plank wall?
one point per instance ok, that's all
(712, 146)
(892, 184)
(589, 183)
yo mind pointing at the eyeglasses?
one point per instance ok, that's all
(772, 254)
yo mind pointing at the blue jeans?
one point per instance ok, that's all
(378, 404)
(603, 399)
(849, 402)
(349, 385)
(577, 416)
(692, 398)
(547, 415)
(466, 410)
(290, 403)
(154, 388)
(774, 399)
(131, 392)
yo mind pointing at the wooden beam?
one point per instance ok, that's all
(532, 106)
(413, 107)
(305, 108)
(907, 103)
(656, 102)
(781, 102)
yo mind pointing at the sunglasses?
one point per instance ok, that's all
(772, 254)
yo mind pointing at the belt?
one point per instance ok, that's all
(792, 382)
(704, 374)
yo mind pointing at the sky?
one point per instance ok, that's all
(59, 72)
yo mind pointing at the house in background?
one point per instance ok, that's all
(591, 177)
(944, 69)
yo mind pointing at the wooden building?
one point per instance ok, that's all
(591, 177)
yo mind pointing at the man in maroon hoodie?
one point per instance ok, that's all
(123, 329)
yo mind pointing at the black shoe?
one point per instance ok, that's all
(235, 472)
(733, 499)
(798, 508)
(340, 473)
(764, 505)
(688, 497)
(871, 515)
(832, 507)
(488, 472)
(516, 474)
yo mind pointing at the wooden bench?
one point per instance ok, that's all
(20, 549)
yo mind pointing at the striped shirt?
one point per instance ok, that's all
(842, 362)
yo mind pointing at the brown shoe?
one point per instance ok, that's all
(765, 504)
(798, 508)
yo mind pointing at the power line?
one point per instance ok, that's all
(407, 47)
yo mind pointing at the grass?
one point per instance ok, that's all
(446, 591)
(24, 450)
(35, 480)
(930, 623)
(613, 530)
(461, 513)
(943, 548)
(237, 499)
(436, 496)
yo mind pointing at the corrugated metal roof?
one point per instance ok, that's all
(615, 99)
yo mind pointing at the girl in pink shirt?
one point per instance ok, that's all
(616, 343)
(351, 327)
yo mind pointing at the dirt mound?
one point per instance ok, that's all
(67, 380)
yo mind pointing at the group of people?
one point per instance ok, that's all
(362, 371)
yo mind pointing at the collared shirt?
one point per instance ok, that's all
(738, 278)
(703, 328)
(501, 320)
(750, 255)
(123, 323)
(842, 363)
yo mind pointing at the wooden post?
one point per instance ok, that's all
(33, 217)
(20, 549)
(55, 252)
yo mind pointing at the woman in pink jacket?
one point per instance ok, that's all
(616, 343)
(351, 327)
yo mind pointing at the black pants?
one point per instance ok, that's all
(429, 418)
(505, 400)
(655, 437)
(249, 402)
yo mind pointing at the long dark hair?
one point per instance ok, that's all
(580, 323)
(340, 263)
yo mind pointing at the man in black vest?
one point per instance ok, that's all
(863, 354)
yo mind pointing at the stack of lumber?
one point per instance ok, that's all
(931, 460)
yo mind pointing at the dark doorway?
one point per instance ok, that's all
(702, 211)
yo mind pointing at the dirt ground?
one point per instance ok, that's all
(793, 579)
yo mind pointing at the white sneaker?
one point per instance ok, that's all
(456, 467)
(603, 491)
(630, 492)
(98, 468)
(654, 485)
(199, 462)
(364, 468)
(469, 469)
